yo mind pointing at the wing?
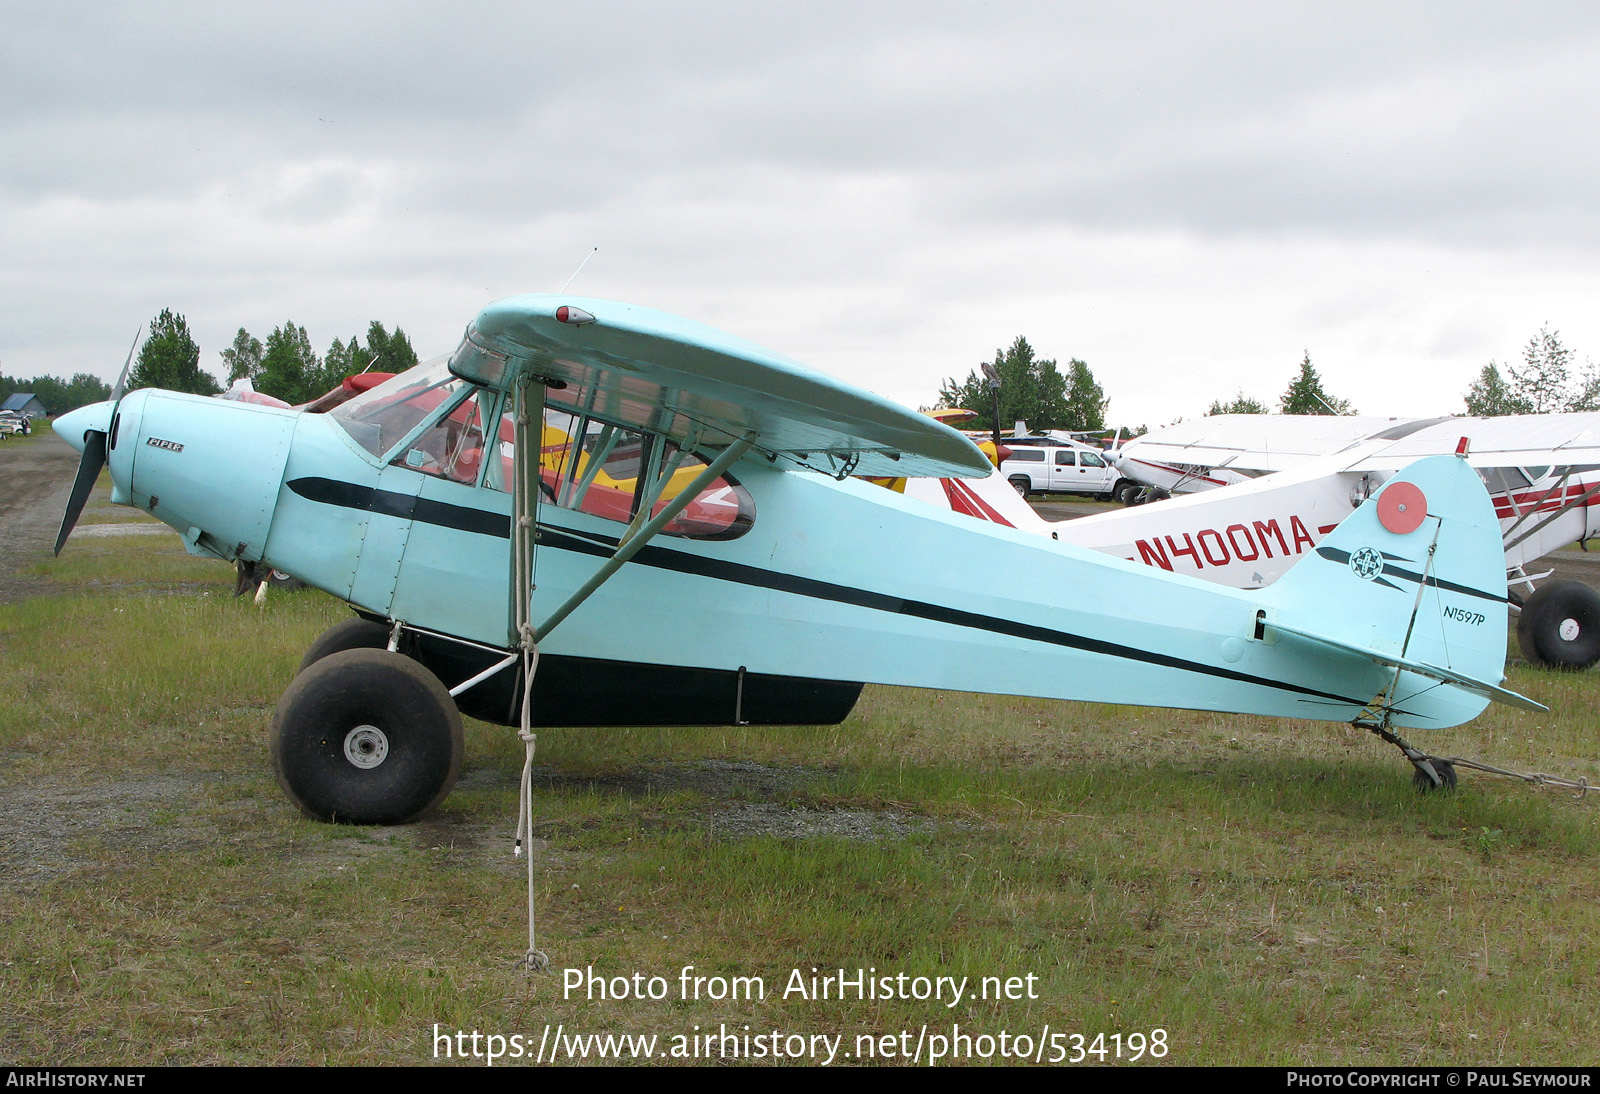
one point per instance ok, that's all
(1516, 440)
(651, 370)
(1258, 442)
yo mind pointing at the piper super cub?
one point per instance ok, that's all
(598, 514)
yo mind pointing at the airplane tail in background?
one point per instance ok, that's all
(1413, 580)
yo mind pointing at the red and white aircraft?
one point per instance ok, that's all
(1543, 472)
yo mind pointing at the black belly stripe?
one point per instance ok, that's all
(467, 519)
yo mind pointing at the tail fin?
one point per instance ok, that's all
(1413, 580)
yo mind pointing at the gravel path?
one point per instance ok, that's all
(35, 479)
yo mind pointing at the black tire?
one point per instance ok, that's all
(284, 582)
(1447, 772)
(352, 634)
(366, 737)
(1559, 626)
(1021, 484)
(1125, 492)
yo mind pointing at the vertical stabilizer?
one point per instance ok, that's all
(1415, 580)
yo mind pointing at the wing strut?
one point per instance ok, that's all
(1580, 500)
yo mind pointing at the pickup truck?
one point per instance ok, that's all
(1047, 466)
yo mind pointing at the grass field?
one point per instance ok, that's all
(1262, 892)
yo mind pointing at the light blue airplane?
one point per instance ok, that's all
(598, 514)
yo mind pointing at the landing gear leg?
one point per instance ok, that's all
(1431, 772)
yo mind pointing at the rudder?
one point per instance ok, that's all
(1415, 578)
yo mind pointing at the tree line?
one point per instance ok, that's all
(1034, 390)
(57, 394)
(283, 366)
(1031, 389)
(1542, 383)
(1545, 380)
(1304, 395)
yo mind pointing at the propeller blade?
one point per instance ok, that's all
(122, 381)
(94, 455)
(94, 458)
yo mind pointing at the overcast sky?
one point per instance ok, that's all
(1186, 196)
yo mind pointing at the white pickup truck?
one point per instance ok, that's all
(1047, 466)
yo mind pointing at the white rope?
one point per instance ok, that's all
(535, 960)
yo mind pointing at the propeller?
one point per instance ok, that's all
(94, 456)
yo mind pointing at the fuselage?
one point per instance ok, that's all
(828, 583)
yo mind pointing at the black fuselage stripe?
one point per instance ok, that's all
(392, 503)
(464, 518)
(699, 566)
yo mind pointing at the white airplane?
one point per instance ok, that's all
(598, 514)
(1223, 449)
(1542, 471)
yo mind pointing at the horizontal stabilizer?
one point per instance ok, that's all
(1433, 672)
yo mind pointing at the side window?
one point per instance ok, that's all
(1089, 459)
(597, 467)
(1064, 457)
(1028, 455)
(723, 510)
(604, 479)
(452, 447)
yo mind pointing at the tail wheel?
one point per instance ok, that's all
(1560, 626)
(1447, 777)
(366, 736)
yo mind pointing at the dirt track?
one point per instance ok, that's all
(35, 478)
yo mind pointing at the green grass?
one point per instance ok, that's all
(1265, 892)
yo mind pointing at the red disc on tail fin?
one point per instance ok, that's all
(1401, 507)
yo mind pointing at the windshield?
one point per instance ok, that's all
(380, 419)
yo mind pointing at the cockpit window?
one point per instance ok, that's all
(432, 422)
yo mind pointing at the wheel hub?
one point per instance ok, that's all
(366, 747)
(1569, 630)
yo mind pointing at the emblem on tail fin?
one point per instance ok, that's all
(1366, 563)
